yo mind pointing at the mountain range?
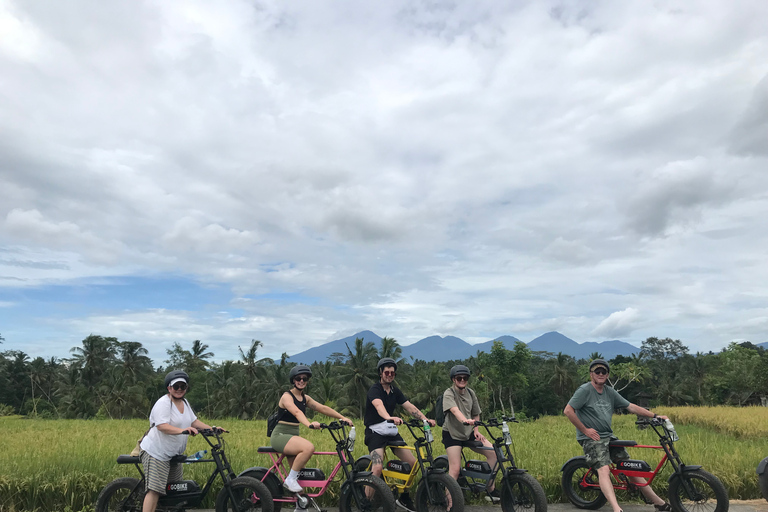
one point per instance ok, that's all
(447, 348)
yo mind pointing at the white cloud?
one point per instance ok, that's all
(408, 167)
(619, 323)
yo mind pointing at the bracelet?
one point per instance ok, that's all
(654, 415)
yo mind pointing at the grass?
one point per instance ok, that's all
(63, 464)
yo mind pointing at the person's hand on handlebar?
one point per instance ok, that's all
(314, 425)
(397, 420)
(192, 431)
(470, 422)
(219, 430)
(347, 421)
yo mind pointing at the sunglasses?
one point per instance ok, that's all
(601, 371)
(462, 378)
(388, 373)
(180, 386)
(302, 379)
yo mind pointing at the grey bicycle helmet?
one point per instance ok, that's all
(386, 361)
(297, 370)
(176, 374)
(599, 362)
(460, 369)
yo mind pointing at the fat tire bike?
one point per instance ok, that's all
(360, 490)
(519, 490)
(239, 494)
(691, 489)
(436, 491)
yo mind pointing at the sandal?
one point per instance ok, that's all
(663, 508)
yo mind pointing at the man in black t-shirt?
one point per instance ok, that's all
(379, 409)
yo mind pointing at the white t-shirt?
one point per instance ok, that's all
(163, 446)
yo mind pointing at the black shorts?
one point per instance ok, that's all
(448, 441)
(375, 441)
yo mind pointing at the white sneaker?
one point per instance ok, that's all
(292, 485)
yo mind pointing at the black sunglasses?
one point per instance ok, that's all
(462, 378)
(601, 371)
(180, 386)
(302, 378)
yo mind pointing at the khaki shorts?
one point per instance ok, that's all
(599, 454)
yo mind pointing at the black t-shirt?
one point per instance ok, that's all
(390, 400)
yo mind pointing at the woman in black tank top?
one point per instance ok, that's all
(285, 438)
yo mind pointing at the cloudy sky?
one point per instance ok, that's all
(295, 172)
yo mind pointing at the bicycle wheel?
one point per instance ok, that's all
(248, 493)
(697, 491)
(373, 495)
(118, 495)
(272, 484)
(522, 492)
(445, 493)
(581, 486)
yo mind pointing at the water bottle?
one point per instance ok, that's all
(199, 455)
(671, 428)
(505, 432)
(352, 436)
(428, 432)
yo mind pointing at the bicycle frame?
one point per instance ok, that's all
(622, 471)
(505, 461)
(194, 497)
(279, 470)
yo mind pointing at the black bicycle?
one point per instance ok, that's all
(239, 494)
(518, 489)
(691, 489)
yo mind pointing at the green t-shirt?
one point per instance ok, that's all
(595, 410)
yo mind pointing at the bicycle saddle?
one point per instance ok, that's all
(622, 443)
(128, 459)
(396, 443)
(266, 449)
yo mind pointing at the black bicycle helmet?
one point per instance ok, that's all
(386, 361)
(460, 369)
(297, 370)
(599, 362)
(176, 374)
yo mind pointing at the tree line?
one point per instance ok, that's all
(108, 378)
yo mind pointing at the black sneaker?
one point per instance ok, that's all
(493, 496)
(405, 502)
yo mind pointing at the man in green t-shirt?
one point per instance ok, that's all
(591, 410)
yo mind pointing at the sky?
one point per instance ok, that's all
(297, 172)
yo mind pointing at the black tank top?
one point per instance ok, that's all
(302, 405)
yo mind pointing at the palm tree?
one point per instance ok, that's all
(358, 373)
(133, 360)
(198, 356)
(93, 358)
(563, 375)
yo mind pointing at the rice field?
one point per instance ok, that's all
(63, 464)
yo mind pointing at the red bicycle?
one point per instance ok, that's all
(691, 489)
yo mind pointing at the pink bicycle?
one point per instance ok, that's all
(361, 491)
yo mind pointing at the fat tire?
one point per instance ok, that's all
(712, 494)
(763, 481)
(438, 484)
(382, 500)
(522, 492)
(113, 491)
(587, 499)
(362, 463)
(271, 486)
(250, 495)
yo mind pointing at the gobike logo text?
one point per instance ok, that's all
(177, 487)
(475, 467)
(635, 465)
(396, 467)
